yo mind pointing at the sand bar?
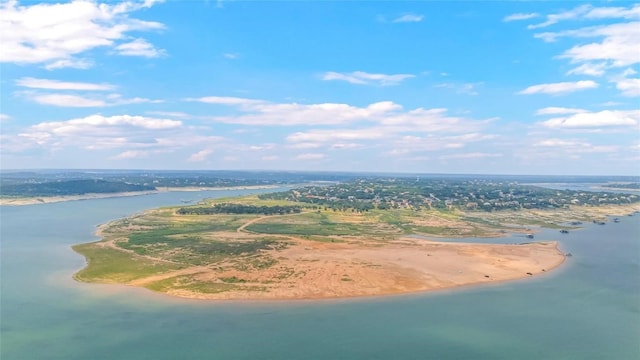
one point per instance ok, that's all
(408, 266)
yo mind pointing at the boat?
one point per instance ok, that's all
(564, 231)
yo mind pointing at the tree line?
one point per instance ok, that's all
(229, 208)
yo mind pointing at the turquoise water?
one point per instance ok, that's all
(587, 309)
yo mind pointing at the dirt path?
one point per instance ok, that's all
(253, 221)
(188, 271)
(111, 244)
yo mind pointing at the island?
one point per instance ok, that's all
(366, 237)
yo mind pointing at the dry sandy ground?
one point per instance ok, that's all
(313, 270)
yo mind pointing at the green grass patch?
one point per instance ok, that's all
(111, 265)
(308, 229)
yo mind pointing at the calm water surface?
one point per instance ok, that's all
(587, 309)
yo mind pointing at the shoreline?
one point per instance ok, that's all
(355, 266)
(380, 296)
(423, 279)
(111, 288)
(22, 201)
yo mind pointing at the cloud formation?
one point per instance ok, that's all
(93, 99)
(48, 84)
(56, 34)
(365, 78)
(520, 16)
(600, 119)
(559, 88)
(408, 18)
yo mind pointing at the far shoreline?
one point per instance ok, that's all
(36, 200)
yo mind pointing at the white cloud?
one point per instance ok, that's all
(344, 146)
(611, 45)
(70, 63)
(70, 100)
(65, 100)
(590, 69)
(614, 12)
(311, 156)
(466, 88)
(303, 145)
(474, 155)
(269, 158)
(619, 46)
(200, 155)
(364, 78)
(559, 88)
(226, 100)
(231, 56)
(559, 143)
(171, 114)
(610, 103)
(74, 100)
(131, 136)
(520, 16)
(139, 47)
(256, 112)
(323, 136)
(606, 118)
(572, 146)
(431, 120)
(411, 143)
(132, 154)
(95, 122)
(261, 147)
(629, 87)
(54, 34)
(558, 110)
(408, 18)
(572, 14)
(61, 85)
(4, 117)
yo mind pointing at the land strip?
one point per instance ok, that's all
(321, 252)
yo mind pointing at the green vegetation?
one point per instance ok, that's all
(227, 208)
(71, 187)
(112, 265)
(364, 195)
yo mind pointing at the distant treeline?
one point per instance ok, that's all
(394, 193)
(227, 208)
(71, 187)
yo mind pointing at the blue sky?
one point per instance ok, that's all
(433, 87)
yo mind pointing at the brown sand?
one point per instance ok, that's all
(314, 270)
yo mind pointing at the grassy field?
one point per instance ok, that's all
(108, 265)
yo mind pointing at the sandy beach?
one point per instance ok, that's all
(327, 270)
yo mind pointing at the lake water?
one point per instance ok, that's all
(587, 309)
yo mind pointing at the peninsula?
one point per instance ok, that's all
(302, 245)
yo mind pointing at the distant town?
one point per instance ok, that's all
(487, 195)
